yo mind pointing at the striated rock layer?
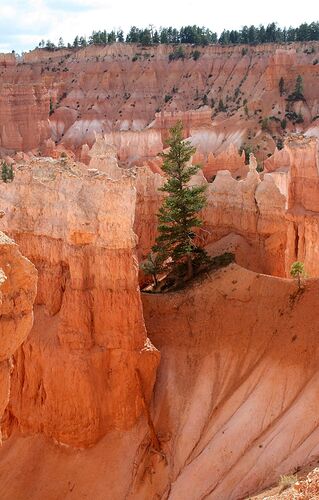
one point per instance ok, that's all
(134, 94)
(87, 367)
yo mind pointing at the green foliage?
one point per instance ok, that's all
(297, 94)
(281, 86)
(195, 55)
(221, 106)
(248, 150)
(299, 85)
(7, 173)
(152, 266)
(175, 245)
(283, 123)
(177, 53)
(297, 271)
(280, 144)
(198, 35)
(167, 98)
(51, 111)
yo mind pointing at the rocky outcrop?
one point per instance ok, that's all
(229, 160)
(303, 173)
(18, 280)
(87, 367)
(279, 160)
(23, 115)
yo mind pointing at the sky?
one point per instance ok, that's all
(24, 23)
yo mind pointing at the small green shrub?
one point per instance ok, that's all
(177, 53)
(51, 107)
(7, 173)
(297, 271)
(221, 106)
(195, 55)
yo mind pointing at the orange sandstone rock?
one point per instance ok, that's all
(75, 377)
(18, 279)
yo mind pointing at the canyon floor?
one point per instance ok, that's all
(107, 392)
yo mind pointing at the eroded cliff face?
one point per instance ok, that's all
(134, 94)
(78, 375)
(268, 220)
(238, 348)
(235, 402)
(237, 386)
(18, 280)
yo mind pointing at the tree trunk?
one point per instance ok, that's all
(299, 281)
(155, 282)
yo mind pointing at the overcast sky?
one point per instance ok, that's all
(24, 23)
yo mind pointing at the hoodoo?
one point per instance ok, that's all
(159, 263)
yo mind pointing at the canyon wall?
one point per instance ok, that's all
(268, 220)
(134, 94)
(235, 402)
(18, 281)
(87, 367)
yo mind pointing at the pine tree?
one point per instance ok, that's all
(297, 271)
(7, 174)
(299, 87)
(4, 171)
(281, 86)
(178, 216)
(10, 174)
(152, 265)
